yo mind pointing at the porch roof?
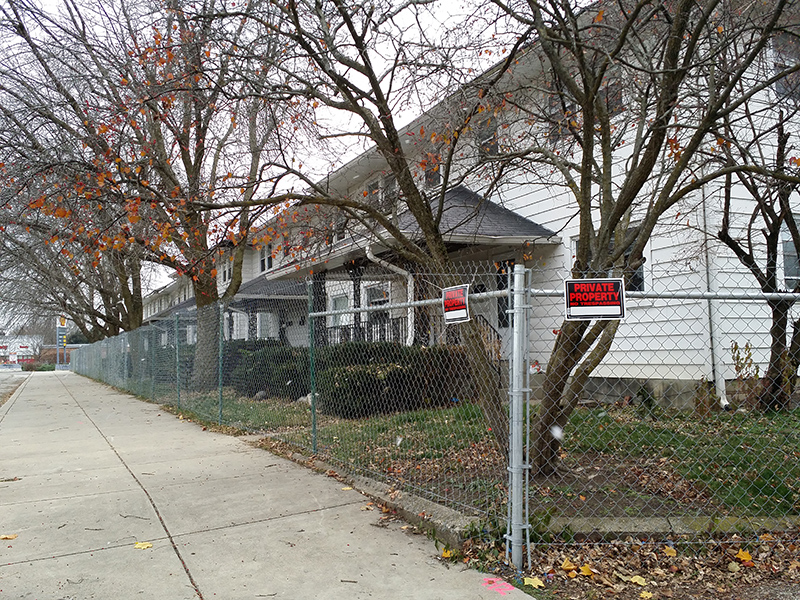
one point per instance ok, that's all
(274, 289)
(469, 218)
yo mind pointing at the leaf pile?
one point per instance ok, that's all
(630, 569)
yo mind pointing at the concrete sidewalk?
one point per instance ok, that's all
(86, 473)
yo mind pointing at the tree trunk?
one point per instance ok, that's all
(205, 373)
(775, 389)
(491, 395)
(546, 433)
(794, 356)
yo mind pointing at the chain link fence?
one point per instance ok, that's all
(668, 435)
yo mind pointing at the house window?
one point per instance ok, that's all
(340, 226)
(390, 194)
(787, 55)
(487, 138)
(268, 326)
(611, 96)
(504, 269)
(227, 270)
(372, 193)
(633, 283)
(378, 296)
(791, 260)
(265, 258)
(562, 117)
(338, 303)
(432, 173)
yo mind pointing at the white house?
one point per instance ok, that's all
(525, 220)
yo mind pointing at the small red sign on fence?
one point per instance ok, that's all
(456, 304)
(588, 299)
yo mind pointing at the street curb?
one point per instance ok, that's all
(606, 528)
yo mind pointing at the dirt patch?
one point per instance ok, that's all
(589, 485)
(9, 382)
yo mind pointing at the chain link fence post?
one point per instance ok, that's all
(516, 466)
(312, 368)
(220, 355)
(178, 360)
(154, 333)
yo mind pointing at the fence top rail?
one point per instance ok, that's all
(383, 307)
(686, 295)
(667, 295)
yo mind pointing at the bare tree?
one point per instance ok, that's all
(363, 69)
(632, 91)
(39, 278)
(758, 244)
(612, 103)
(140, 97)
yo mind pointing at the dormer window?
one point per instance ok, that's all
(390, 195)
(486, 138)
(562, 117)
(611, 96)
(786, 48)
(433, 175)
(227, 270)
(265, 258)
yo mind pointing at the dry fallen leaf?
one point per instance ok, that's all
(743, 555)
(143, 545)
(669, 551)
(572, 574)
(646, 595)
(534, 582)
(568, 566)
(794, 565)
(586, 570)
(346, 488)
(733, 567)
(638, 579)
(447, 553)
(11, 536)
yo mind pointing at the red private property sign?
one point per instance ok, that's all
(588, 299)
(455, 303)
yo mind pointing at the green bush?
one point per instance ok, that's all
(354, 380)
(279, 370)
(413, 377)
(357, 390)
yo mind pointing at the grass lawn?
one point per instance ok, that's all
(747, 462)
(621, 462)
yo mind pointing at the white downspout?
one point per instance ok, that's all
(717, 367)
(410, 289)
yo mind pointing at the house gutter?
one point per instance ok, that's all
(410, 290)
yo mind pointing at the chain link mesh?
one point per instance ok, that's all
(402, 397)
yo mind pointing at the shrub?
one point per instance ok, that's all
(357, 390)
(354, 380)
(37, 366)
(414, 377)
(277, 369)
